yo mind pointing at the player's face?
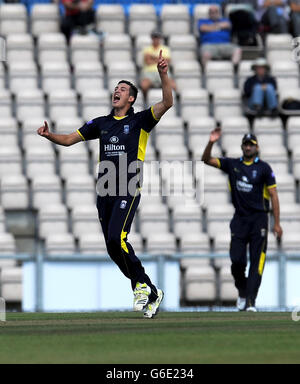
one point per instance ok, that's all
(121, 96)
(250, 150)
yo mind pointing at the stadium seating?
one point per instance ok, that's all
(45, 78)
(13, 19)
(44, 19)
(110, 18)
(142, 19)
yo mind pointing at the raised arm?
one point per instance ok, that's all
(65, 140)
(162, 107)
(276, 212)
(207, 158)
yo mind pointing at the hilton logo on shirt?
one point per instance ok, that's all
(113, 147)
(114, 140)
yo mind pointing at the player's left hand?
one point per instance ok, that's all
(278, 232)
(162, 65)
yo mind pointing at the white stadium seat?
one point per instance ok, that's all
(40, 160)
(55, 75)
(175, 19)
(8, 132)
(95, 102)
(46, 189)
(60, 245)
(161, 244)
(187, 220)
(85, 49)
(117, 47)
(88, 75)
(142, 19)
(279, 42)
(2, 76)
(22, 75)
(65, 125)
(80, 188)
(7, 247)
(2, 220)
(219, 74)
(110, 18)
(286, 74)
(199, 284)
(20, 47)
(85, 220)
(13, 19)
(154, 219)
(187, 74)
(30, 102)
(11, 284)
(52, 47)
(92, 244)
(62, 103)
(75, 156)
(45, 18)
(227, 103)
(10, 160)
(194, 102)
(195, 243)
(53, 219)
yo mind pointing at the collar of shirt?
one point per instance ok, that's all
(128, 113)
(249, 162)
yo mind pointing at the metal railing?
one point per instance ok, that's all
(39, 259)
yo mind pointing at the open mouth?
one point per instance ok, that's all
(117, 98)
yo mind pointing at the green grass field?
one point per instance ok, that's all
(175, 338)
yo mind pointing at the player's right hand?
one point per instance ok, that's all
(44, 130)
(215, 135)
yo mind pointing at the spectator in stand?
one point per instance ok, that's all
(243, 19)
(79, 14)
(150, 77)
(260, 90)
(215, 34)
(295, 17)
(273, 15)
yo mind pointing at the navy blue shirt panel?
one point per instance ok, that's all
(121, 140)
(249, 184)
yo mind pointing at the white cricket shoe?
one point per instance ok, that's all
(251, 309)
(153, 308)
(141, 297)
(241, 304)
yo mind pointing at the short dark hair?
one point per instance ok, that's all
(133, 91)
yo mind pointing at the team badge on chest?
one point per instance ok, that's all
(126, 129)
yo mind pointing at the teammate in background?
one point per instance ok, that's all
(123, 139)
(252, 184)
